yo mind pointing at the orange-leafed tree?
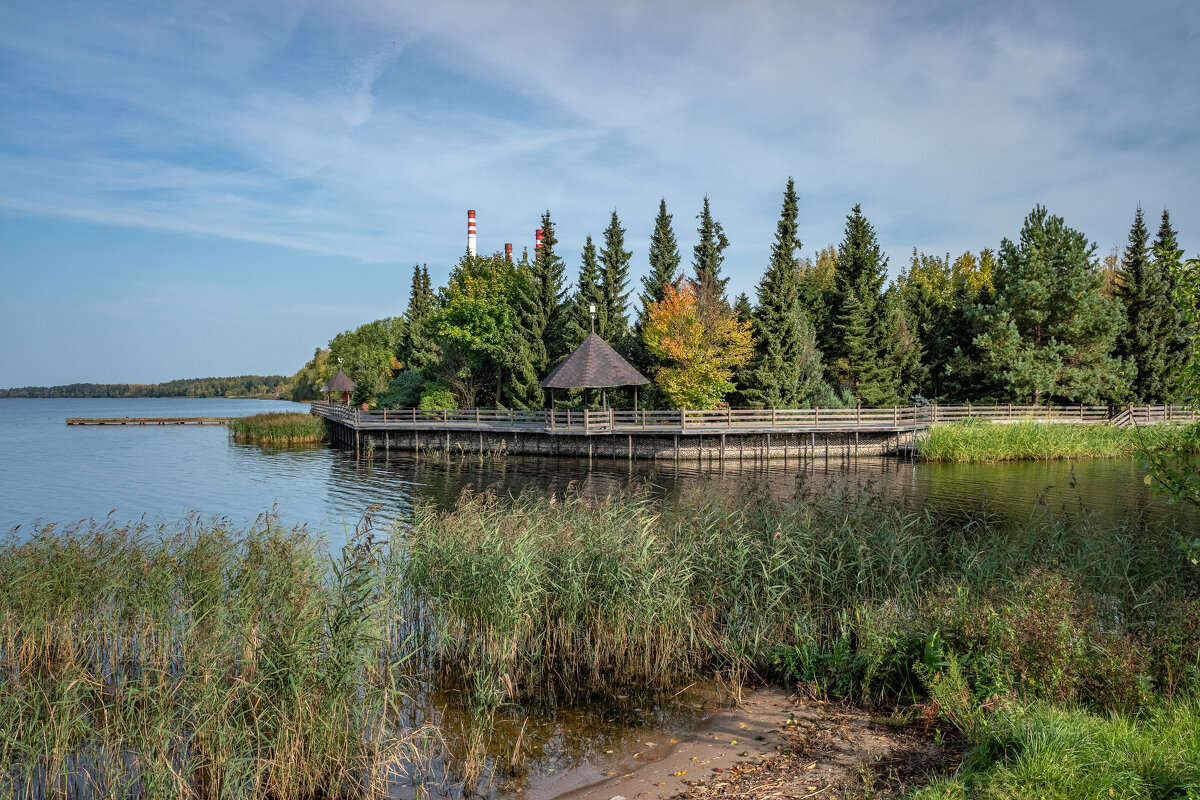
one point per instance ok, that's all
(700, 341)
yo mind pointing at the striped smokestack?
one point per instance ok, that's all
(537, 249)
(471, 233)
(508, 251)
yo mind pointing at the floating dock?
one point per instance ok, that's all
(148, 420)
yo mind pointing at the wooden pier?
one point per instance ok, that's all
(148, 420)
(757, 434)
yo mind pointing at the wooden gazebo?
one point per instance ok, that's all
(339, 384)
(594, 365)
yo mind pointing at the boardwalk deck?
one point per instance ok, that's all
(763, 433)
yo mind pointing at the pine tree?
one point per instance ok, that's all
(743, 308)
(856, 362)
(1150, 318)
(612, 314)
(419, 348)
(545, 318)
(899, 371)
(587, 293)
(861, 271)
(708, 254)
(522, 389)
(787, 365)
(1179, 345)
(664, 271)
(1049, 333)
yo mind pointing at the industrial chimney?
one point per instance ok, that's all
(508, 251)
(471, 233)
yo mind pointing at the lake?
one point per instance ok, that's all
(55, 473)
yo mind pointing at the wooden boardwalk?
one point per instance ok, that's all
(750, 421)
(756, 434)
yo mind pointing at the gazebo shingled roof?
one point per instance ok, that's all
(339, 383)
(593, 365)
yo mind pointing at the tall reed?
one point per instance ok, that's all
(194, 661)
(983, 442)
(539, 596)
(279, 427)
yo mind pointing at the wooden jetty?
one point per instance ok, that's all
(148, 420)
(689, 434)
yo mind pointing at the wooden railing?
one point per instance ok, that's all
(740, 419)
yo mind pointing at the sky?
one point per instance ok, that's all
(212, 188)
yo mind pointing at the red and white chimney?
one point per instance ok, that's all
(471, 233)
(537, 250)
(508, 251)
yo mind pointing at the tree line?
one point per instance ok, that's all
(1039, 319)
(239, 386)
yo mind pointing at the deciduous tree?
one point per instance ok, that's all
(700, 341)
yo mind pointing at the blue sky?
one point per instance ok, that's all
(215, 188)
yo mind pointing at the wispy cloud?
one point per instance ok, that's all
(363, 130)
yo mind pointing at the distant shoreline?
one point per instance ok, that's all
(240, 387)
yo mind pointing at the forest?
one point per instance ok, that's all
(240, 386)
(1041, 319)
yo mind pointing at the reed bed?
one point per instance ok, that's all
(985, 442)
(196, 661)
(549, 598)
(279, 428)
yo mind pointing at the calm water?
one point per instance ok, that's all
(55, 473)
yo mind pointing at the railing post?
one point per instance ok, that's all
(586, 420)
(728, 416)
(816, 415)
(477, 416)
(612, 425)
(772, 416)
(414, 416)
(683, 419)
(895, 416)
(1081, 412)
(935, 405)
(510, 419)
(444, 420)
(858, 414)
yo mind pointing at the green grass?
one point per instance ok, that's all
(983, 442)
(279, 427)
(194, 661)
(1044, 751)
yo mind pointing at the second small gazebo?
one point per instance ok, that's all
(340, 384)
(594, 365)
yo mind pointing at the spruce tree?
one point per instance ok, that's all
(587, 292)
(743, 308)
(708, 254)
(546, 319)
(419, 347)
(1150, 318)
(664, 271)
(786, 369)
(612, 313)
(1179, 343)
(855, 365)
(1049, 333)
(522, 388)
(860, 273)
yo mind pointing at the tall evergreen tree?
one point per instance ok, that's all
(899, 371)
(612, 315)
(786, 370)
(1049, 333)
(664, 271)
(743, 308)
(419, 348)
(861, 271)
(1150, 318)
(522, 389)
(545, 318)
(587, 292)
(708, 254)
(1179, 346)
